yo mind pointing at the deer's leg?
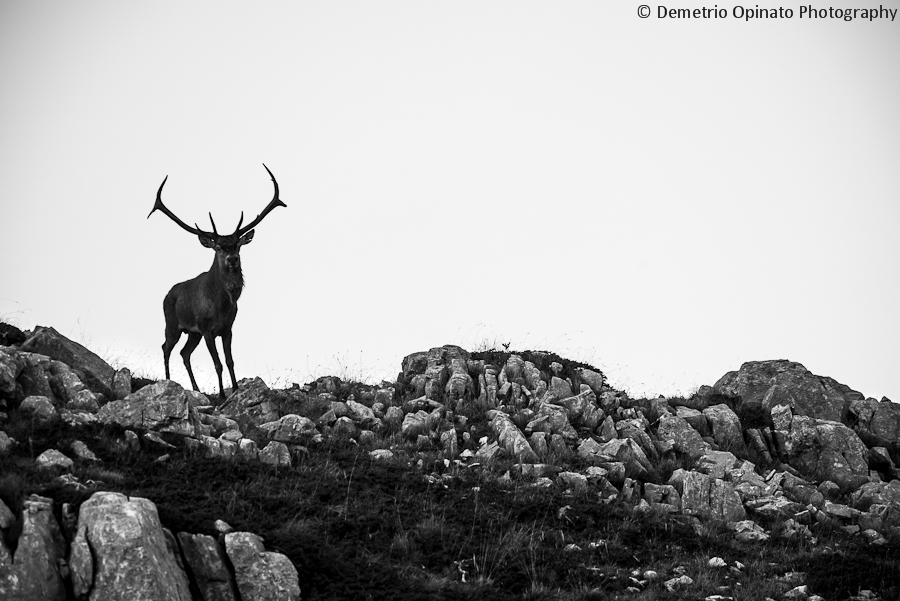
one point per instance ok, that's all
(229, 362)
(188, 348)
(211, 345)
(172, 337)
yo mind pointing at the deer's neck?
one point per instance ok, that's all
(227, 281)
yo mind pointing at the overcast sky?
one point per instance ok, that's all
(662, 198)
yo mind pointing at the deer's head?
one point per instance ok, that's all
(227, 247)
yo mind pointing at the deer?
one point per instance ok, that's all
(205, 307)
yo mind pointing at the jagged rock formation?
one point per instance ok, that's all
(821, 452)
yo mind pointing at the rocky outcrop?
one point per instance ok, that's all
(511, 438)
(261, 575)
(253, 403)
(781, 382)
(96, 373)
(877, 422)
(163, 407)
(822, 449)
(34, 572)
(121, 553)
(206, 566)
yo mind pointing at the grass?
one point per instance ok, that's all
(385, 530)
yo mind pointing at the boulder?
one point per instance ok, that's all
(707, 497)
(33, 574)
(253, 402)
(824, 450)
(557, 420)
(207, 566)
(725, 426)
(93, 371)
(511, 438)
(121, 386)
(163, 407)
(291, 429)
(38, 407)
(275, 453)
(684, 438)
(876, 421)
(120, 552)
(621, 450)
(781, 382)
(51, 458)
(261, 575)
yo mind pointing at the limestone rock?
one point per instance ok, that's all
(879, 421)
(684, 438)
(120, 552)
(276, 453)
(163, 407)
(826, 450)
(725, 425)
(253, 402)
(39, 407)
(6, 443)
(121, 385)
(51, 458)
(206, 562)
(261, 575)
(782, 382)
(707, 497)
(511, 438)
(34, 573)
(82, 451)
(96, 373)
(291, 429)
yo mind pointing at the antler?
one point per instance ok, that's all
(275, 202)
(194, 230)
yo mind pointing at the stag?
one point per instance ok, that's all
(205, 307)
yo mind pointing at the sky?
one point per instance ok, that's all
(663, 198)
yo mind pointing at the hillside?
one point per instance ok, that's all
(491, 475)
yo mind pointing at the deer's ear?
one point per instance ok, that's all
(207, 242)
(246, 238)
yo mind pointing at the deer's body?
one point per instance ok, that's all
(205, 307)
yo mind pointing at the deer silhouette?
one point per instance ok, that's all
(205, 307)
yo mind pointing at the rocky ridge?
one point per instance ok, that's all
(769, 443)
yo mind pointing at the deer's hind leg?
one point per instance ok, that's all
(172, 338)
(188, 348)
(211, 345)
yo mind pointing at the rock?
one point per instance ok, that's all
(706, 497)
(593, 379)
(662, 494)
(449, 443)
(748, 530)
(880, 493)
(163, 407)
(557, 421)
(717, 464)
(121, 385)
(623, 450)
(261, 575)
(93, 371)
(607, 430)
(206, 563)
(557, 390)
(725, 425)
(51, 458)
(774, 507)
(82, 451)
(292, 429)
(34, 573)
(684, 438)
(393, 418)
(781, 382)
(674, 584)
(826, 450)
(573, 480)
(381, 455)
(253, 402)
(247, 449)
(39, 407)
(120, 552)
(6, 517)
(421, 423)
(694, 417)
(276, 453)
(487, 452)
(344, 428)
(6, 443)
(878, 422)
(511, 438)
(361, 414)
